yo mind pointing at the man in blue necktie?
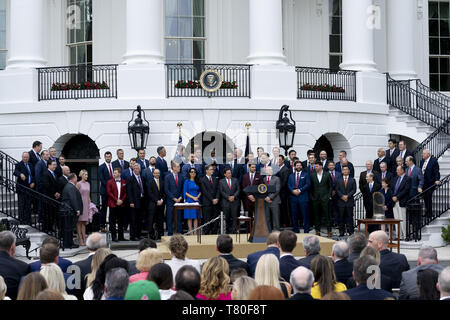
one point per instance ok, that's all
(50, 189)
(25, 179)
(400, 197)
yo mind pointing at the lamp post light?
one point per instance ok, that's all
(139, 130)
(285, 129)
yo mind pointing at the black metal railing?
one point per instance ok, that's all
(426, 207)
(77, 82)
(183, 80)
(435, 95)
(437, 143)
(326, 84)
(7, 166)
(423, 107)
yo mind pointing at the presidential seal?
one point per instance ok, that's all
(211, 80)
(262, 188)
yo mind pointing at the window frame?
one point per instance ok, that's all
(330, 34)
(4, 50)
(85, 43)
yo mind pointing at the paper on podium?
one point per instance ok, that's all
(187, 204)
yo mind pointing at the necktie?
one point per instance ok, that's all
(312, 168)
(409, 172)
(157, 183)
(176, 179)
(53, 174)
(332, 176)
(140, 185)
(268, 180)
(229, 183)
(110, 171)
(384, 175)
(121, 164)
(397, 185)
(143, 164)
(370, 187)
(251, 179)
(298, 179)
(29, 173)
(210, 180)
(37, 156)
(345, 182)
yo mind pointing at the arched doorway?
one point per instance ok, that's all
(323, 144)
(208, 141)
(332, 143)
(81, 152)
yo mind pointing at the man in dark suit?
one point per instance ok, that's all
(120, 162)
(272, 247)
(363, 175)
(127, 173)
(71, 209)
(236, 168)
(144, 163)
(343, 161)
(35, 153)
(40, 168)
(50, 189)
(11, 269)
(333, 207)
(135, 195)
(368, 189)
(416, 176)
(283, 173)
(365, 290)
(403, 151)
(401, 186)
(154, 190)
(384, 173)
(356, 243)
(292, 155)
(105, 173)
(62, 263)
(24, 171)
(298, 185)
(431, 178)
(94, 242)
(191, 164)
(302, 280)
(63, 179)
(173, 186)
(381, 159)
(307, 164)
(52, 152)
(161, 163)
(391, 154)
(323, 158)
(229, 191)
(443, 284)
(392, 264)
(252, 178)
(116, 189)
(320, 195)
(209, 186)
(272, 200)
(311, 245)
(288, 241)
(342, 267)
(345, 190)
(224, 245)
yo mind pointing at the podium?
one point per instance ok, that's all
(261, 226)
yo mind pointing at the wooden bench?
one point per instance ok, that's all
(21, 234)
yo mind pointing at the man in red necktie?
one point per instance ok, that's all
(251, 178)
(298, 184)
(105, 173)
(229, 190)
(210, 198)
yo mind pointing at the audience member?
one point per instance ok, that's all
(268, 273)
(188, 279)
(272, 247)
(302, 280)
(311, 245)
(427, 280)
(237, 273)
(142, 245)
(266, 293)
(62, 263)
(31, 285)
(145, 261)
(116, 284)
(110, 262)
(288, 241)
(214, 280)
(49, 294)
(242, 287)
(55, 279)
(323, 270)
(333, 295)
(181, 295)
(427, 259)
(98, 257)
(142, 290)
(178, 247)
(11, 269)
(356, 243)
(443, 284)
(224, 245)
(342, 267)
(3, 290)
(161, 274)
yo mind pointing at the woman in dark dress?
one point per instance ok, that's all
(191, 192)
(388, 204)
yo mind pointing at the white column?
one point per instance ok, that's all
(357, 35)
(26, 48)
(400, 38)
(144, 32)
(266, 32)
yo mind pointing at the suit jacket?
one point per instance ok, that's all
(274, 196)
(126, 174)
(61, 183)
(325, 164)
(187, 167)
(408, 284)
(141, 163)
(253, 258)
(234, 263)
(337, 175)
(343, 270)
(403, 190)
(116, 164)
(392, 164)
(113, 192)
(257, 180)
(284, 174)
(237, 171)
(152, 193)
(49, 184)
(388, 176)
(58, 169)
(12, 270)
(85, 269)
(363, 176)
(338, 168)
(225, 191)
(33, 159)
(431, 174)
(287, 264)
(416, 180)
(19, 169)
(161, 164)
(301, 296)
(407, 154)
(393, 264)
(104, 175)
(303, 185)
(377, 162)
(209, 192)
(306, 261)
(39, 169)
(362, 292)
(321, 190)
(368, 195)
(350, 191)
(71, 196)
(62, 263)
(134, 192)
(147, 174)
(170, 187)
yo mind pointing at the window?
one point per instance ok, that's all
(439, 40)
(335, 38)
(2, 34)
(185, 31)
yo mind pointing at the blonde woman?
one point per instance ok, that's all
(145, 261)
(85, 190)
(267, 273)
(215, 281)
(242, 288)
(97, 260)
(55, 279)
(3, 289)
(31, 286)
